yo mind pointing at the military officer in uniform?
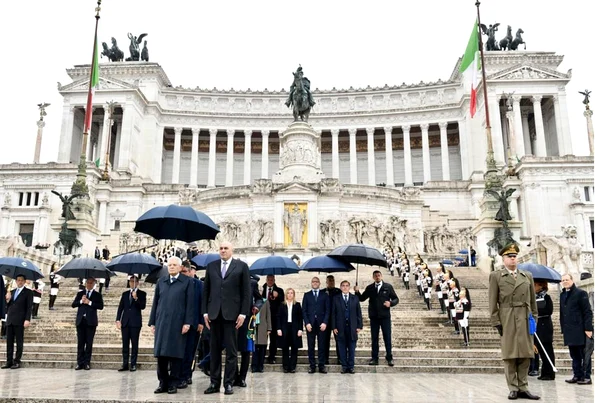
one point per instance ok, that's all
(512, 299)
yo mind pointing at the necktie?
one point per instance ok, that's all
(16, 293)
(171, 279)
(88, 294)
(377, 288)
(345, 298)
(316, 295)
(223, 269)
(270, 292)
(514, 274)
(130, 297)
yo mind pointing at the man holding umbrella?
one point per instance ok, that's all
(129, 319)
(19, 306)
(87, 302)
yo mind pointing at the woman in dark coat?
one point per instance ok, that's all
(545, 331)
(290, 324)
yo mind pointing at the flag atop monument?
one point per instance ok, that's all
(471, 67)
(94, 82)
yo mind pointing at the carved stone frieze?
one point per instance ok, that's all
(444, 240)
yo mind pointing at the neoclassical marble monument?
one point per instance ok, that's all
(400, 165)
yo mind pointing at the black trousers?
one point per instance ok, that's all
(35, 310)
(244, 365)
(168, 371)
(273, 344)
(327, 345)
(290, 352)
(313, 336)
(52, 300)
(14, 333)
(258, 358)
(546, 367)
(375, 325)
(577, 353)
(130, 335)
(84, 342)
(189, 353)
(223, 333)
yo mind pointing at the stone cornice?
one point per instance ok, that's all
(123, 69)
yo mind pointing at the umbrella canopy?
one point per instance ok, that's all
(459, 259)
(134, 263)
(177, 222)
(463, 251)
(327, 264)
(447, 261)
(84, 267)
(156, 274)
(15, 266)
(202, 260)
(541, 272)
(273, 265)
(359, 253)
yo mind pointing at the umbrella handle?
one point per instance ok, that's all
(356, 273)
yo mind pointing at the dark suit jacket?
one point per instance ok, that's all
(227, 297)
(576, 316)
(90, 312)
(376, 308)
(197, 319)
(274, 303)
(316, 311)
(129, 312)
(2, 300)
(19, 310)
(292, 328)
(338, 320)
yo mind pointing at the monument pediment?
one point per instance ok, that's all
(104, 84)
(528, 72)
(297, 187)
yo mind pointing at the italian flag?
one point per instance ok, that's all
(94, 82)
(471, 67)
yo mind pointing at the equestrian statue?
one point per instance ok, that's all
(300, 97)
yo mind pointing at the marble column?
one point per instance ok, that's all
(519, 134)
(37, 153)
(212, 157)
(464, 149)
(540, 150)
(388, 147)
(565, 124)
(42, 230)
(65, 148)
(5, 219)
(407, 155)
(335, 153)
(371, 161)
(264, 173)
(352, 157)
(229, 165)
(527, 133)
(247, 156)
(102, 217)
(105, 135)
(444, 151)
(425, 144)
(194, 158)
(175, 172)
(559, 131)
(496, 123)
(126, 152)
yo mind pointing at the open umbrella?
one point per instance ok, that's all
(359, 253)
(15, 266)
(134, 263)
(274, 265)
(447, 261)
(541, 272)
(201, 261)
(327, 264)
(84, 267)
(177, 222)
(156, 274)
(463, 252)
(459, 259)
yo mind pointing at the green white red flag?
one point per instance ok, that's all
(471, 67)
(94, 82)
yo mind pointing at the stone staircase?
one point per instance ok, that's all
(421, 340)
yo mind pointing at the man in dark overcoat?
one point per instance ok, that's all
(129, 320)
(275, 295)
(171, 317)
(576, 322)
(88, 302)
(511, 295)
(346, 322)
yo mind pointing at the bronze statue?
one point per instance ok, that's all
(134, 47)
(503, 213)
(67, 213)
(114, 54)
(518, 40)
(300, 97)
(68, 239)
(42, 111)
(587, 95)
(507, 40)
(144, 55)
(491, 33)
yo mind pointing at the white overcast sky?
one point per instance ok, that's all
(257, 44)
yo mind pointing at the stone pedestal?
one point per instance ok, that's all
(84, 224)
(300, 155)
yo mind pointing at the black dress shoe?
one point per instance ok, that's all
(547, 378)
(16, 365)
(212, 389)
(133, 368)
(584, 382)
(7, 365)
(123, 368)
(311, 370)
(77, 368)
(344, 370)
(513, 395)
(172, 390)
(528, 395)
(181, 385)
(573, 380)
(373, 362)
(285, 370)
(391, 363)
(228, 390)
(292, 371)
(533, 373)
(160, 389)
(323, 370)
(87, 367)
(351, 370)
(241, 384)
(189, 381)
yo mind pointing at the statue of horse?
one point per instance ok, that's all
(299, 100)
(507, 40)
(115, 54)
(518, 40)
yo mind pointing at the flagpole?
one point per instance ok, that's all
(492, 179)
(79, 187)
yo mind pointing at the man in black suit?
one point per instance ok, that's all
(105, 253)
(316, 307)
(97, 253)
(195, 327)
(19, 307)
(346, 323)
(275, 296)
(129, 320)
(226, 303)
(332, 292)
(88, 303)
(382, 297)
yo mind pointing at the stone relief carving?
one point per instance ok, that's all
(187, 197)
(252, 232)
(443, 240)
(130, 241)
(45, 201)
(564, 252)
(262, 186)
(296, 221)
(576, 195)
(7, 199)
(330, 185)
(297, 152)
(526, 73)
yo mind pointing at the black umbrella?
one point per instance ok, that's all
(541, 272)
(327, 264)
(15, 266)
(85, 267)
(359, 253)
(177, 222)
(134, 263)
(274, 265)
(154, 276)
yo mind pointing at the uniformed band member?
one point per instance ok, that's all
(453, 296)
(511, 300)
(54, 286)
(463, 308)
(426, 285)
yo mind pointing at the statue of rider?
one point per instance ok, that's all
(299, 74)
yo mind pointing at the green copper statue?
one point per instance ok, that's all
(300, 97)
